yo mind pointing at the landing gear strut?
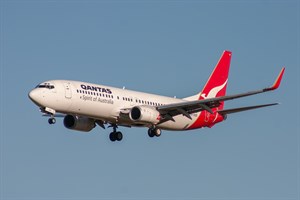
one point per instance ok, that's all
(154, 132)
(50, 112)
(115, 135)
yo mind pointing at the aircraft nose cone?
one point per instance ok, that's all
(33, 95)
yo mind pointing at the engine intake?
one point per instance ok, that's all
(145, 114)
(79, 123)
(135, 113)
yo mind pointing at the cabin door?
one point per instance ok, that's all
(68, 90)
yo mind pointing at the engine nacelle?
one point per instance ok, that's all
(79, 123)
(145, 114)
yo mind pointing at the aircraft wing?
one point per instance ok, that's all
(189, 107)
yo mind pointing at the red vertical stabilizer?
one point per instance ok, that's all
(214, 87)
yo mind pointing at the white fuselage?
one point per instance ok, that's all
(103, 102)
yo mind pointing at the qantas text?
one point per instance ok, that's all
(96, 89)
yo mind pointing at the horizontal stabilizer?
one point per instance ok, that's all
(235, 110)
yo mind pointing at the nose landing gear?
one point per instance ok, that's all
(52, 120)
(49, 111)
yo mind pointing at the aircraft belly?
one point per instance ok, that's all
(181, 123)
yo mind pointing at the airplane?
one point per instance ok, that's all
(86, 105)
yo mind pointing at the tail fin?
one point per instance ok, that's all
(217, 82)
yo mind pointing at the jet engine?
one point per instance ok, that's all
(145, 114)
(79, 123)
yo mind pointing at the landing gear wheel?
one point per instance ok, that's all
(150, 132)
(154, 132)
(51, 120)
(112, 136)
(115, 135)
(119, 136)
(157, 132)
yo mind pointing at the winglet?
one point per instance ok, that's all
(277, 82)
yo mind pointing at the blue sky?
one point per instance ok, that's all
(162, 47)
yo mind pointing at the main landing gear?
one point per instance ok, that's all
(118, 136)
(115, 135)
(154, 132)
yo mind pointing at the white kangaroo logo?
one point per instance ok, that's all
(213, 92)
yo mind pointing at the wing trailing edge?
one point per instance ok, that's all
(241, 109)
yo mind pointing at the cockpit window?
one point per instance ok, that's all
(45, 85)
